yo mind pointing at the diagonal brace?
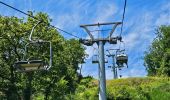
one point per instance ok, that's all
(113, 29)
(91, 36)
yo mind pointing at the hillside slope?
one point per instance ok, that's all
(148, 88)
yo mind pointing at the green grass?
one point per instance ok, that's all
(147, 88)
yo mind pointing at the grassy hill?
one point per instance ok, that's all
(147, 88)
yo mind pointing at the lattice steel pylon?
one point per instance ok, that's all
(101, 59)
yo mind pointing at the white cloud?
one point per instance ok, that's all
(140, 35)
(164, 17)
(139, 26)
(140, 32)
(105, 12)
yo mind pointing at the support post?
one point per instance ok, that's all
(114, 67)
(28, 90)
(116, 72)
(100, 42)
(102, 77)
(99, 80)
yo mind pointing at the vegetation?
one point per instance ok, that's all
(61, 79)
(148, 88)
(157, 62)
(157, 59)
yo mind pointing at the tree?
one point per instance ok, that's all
(157, 59)
(62, 77)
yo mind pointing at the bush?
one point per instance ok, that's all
(148, 88)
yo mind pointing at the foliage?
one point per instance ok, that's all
(157, 59)
(86, 90)
(150, 88)
(61, 79)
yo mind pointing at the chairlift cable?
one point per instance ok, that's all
(38, 19)
(119, 45)
(123, 16)
(18, 10)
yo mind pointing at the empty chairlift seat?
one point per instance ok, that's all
(30, 65)
(95, 59)
(41, 59)
(35, 62)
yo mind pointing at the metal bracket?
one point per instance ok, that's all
(86, 29)
(113, 29)
(30, 37)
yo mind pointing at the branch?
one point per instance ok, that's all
(4, 77)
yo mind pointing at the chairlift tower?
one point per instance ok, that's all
(101, 59)
(114, 68)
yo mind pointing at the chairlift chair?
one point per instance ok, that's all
(121, 59)
(29, 65)
(95, 59)
(34, 63)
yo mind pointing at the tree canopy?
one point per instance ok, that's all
(157, 58)
(54, 84)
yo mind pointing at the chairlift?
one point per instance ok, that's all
(95, 59)
(32, 62)
(121, 58)
(30, 65)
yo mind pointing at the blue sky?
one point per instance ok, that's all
(141, 19)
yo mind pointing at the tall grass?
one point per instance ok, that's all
(147, 88)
